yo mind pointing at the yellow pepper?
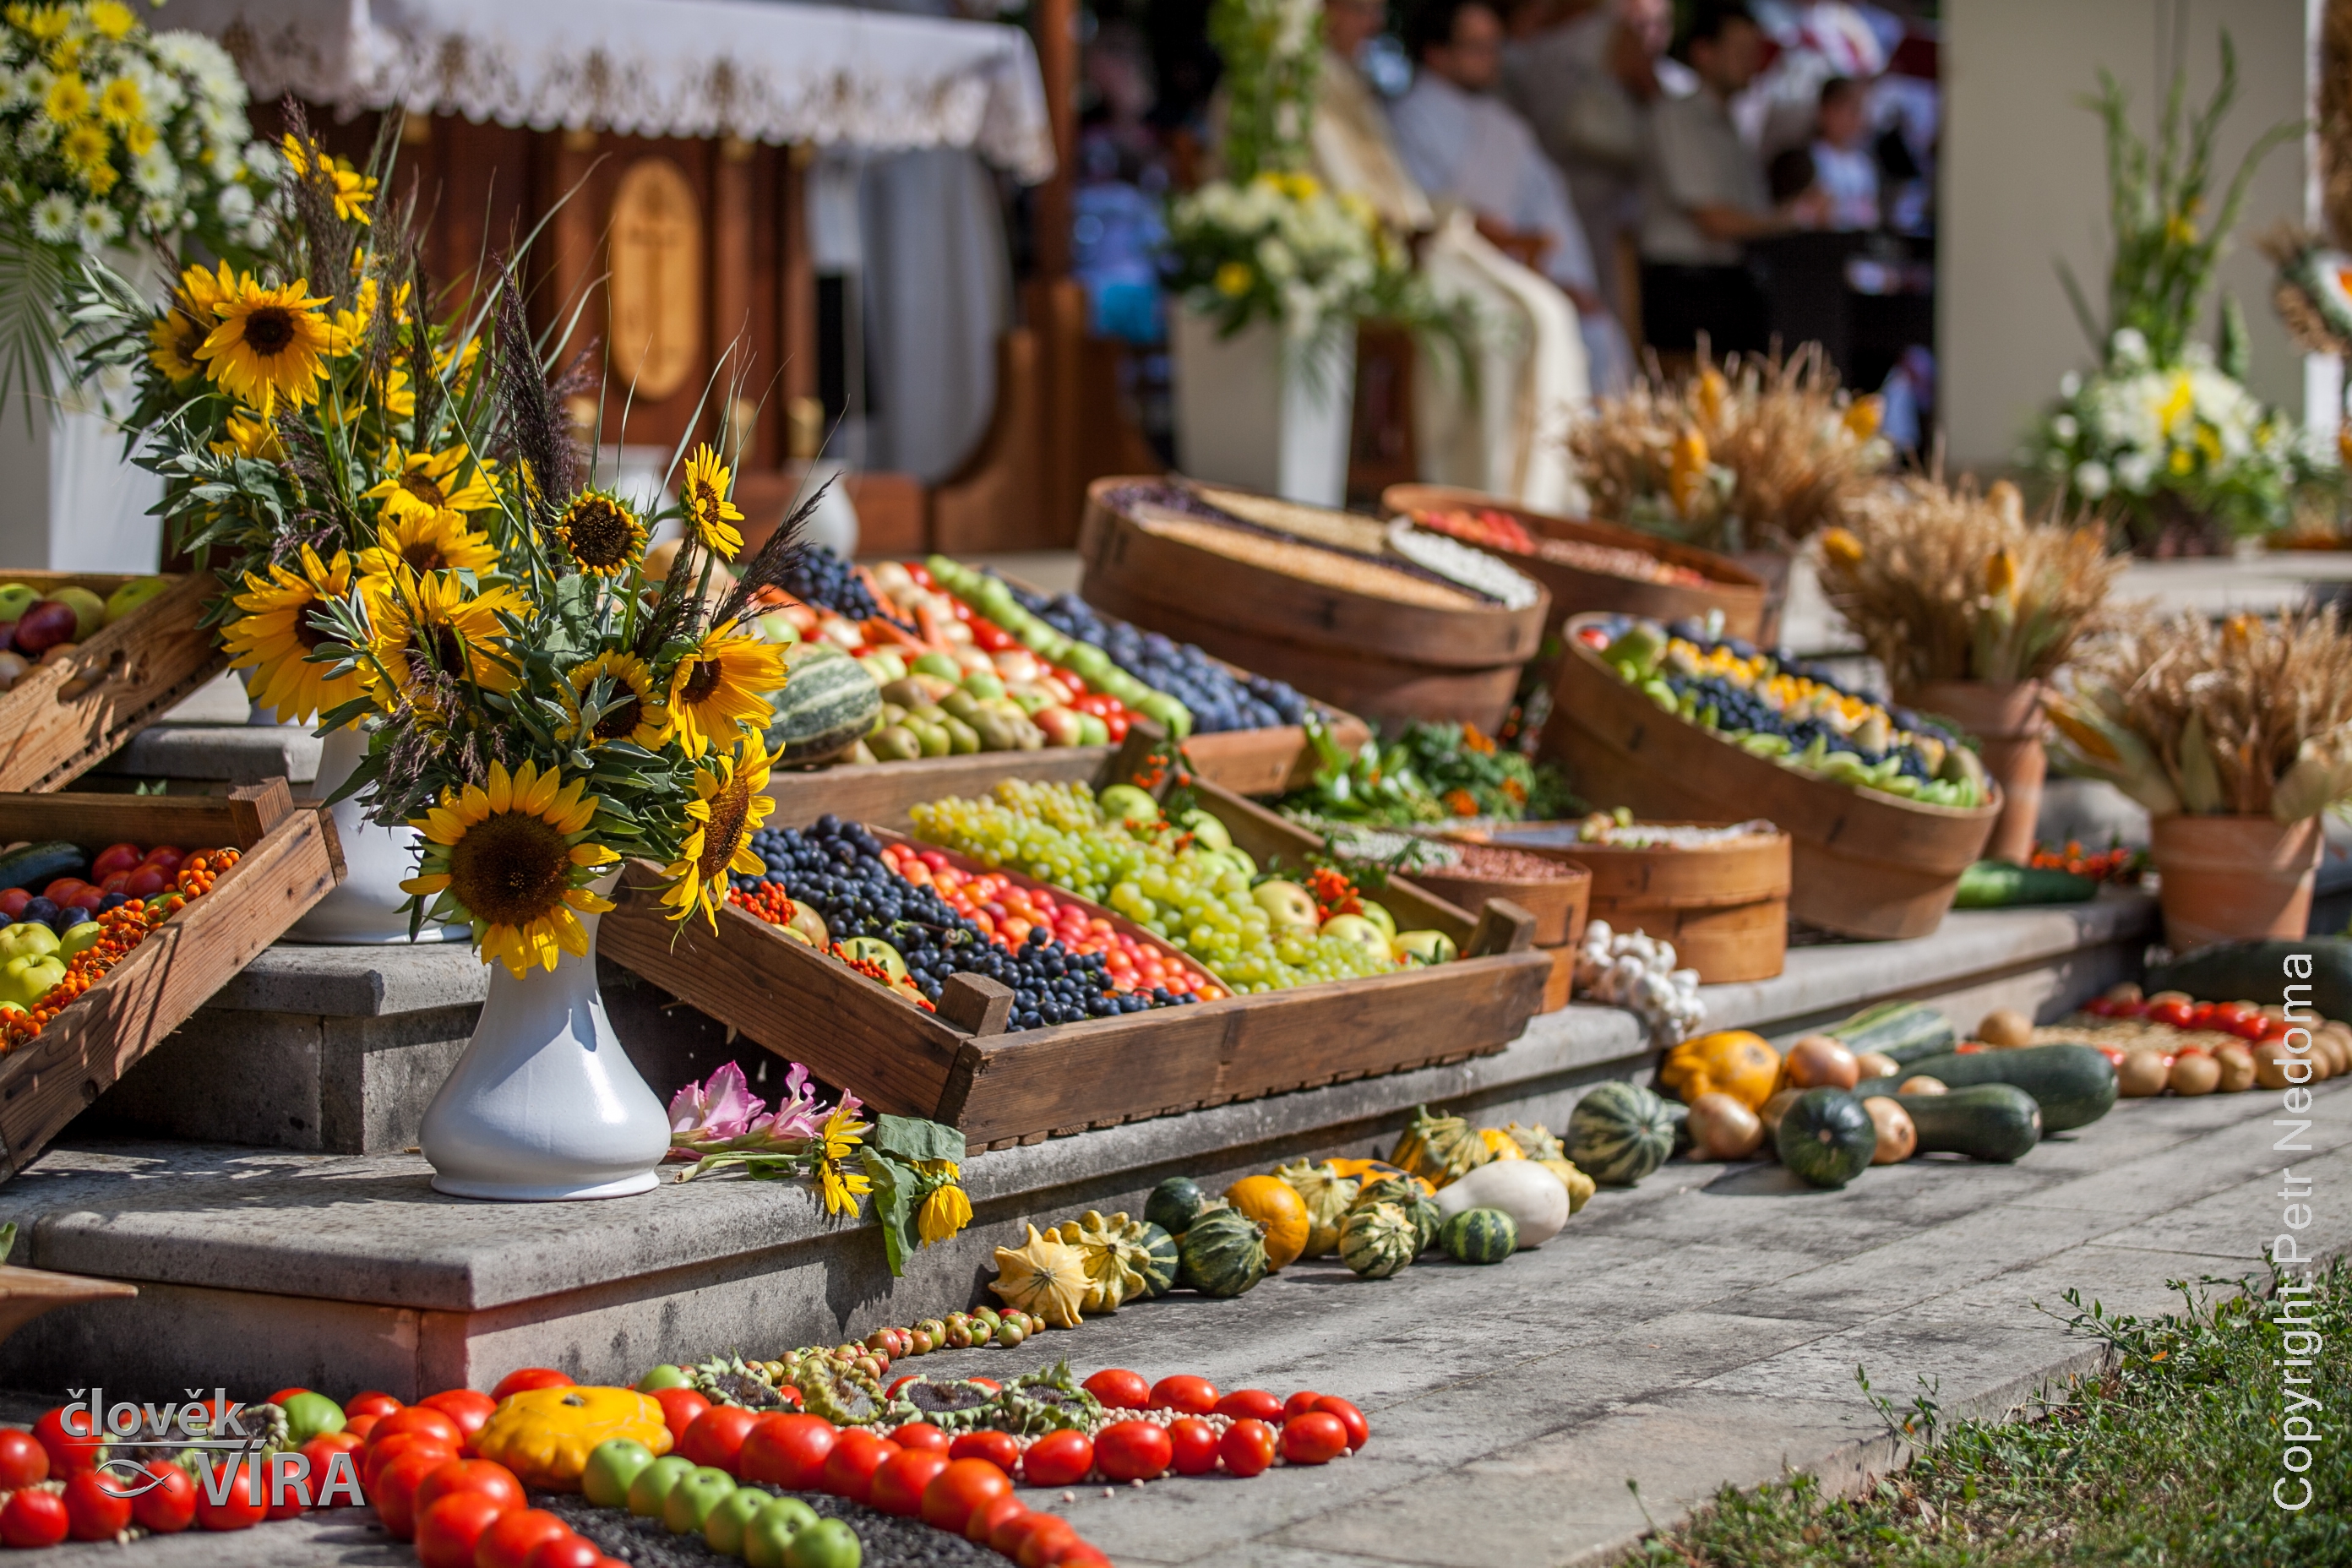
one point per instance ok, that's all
(544, 1435)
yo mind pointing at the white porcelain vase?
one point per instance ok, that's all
(365, 907)
(1260, 412)
(545, 1105)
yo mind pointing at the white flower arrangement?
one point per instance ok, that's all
(1281, 248)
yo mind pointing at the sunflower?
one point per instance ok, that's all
(729, 803)
(425, 624)
(722, 686)
(250, 437)
(946, 1207)
(273, 637)
(427, 541)
(708, 510)
(631, 713)
(601, 534)
(424, 484)
(269, 343)
(175, 337)
(513, 860)
(836, 1141)
(352, 190)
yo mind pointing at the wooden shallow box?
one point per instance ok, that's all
(63, 719)
(1864, 864)
(1739, 593)
(1004, 1088)
(291, 859)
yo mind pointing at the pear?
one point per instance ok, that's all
(89, 611)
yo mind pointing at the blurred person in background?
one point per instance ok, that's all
(1844, 162)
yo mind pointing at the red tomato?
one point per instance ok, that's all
(1317, 1437)
(1043, 1546)
(1001, 1449)
(468, 1407)
(1057, 1459)
(1133, 1450)
(420, 1419)
(856, 1455)
(1191, 1447)
(681, 1407)
(892, 1392)
(788, 1451)
(293, 1493)
(360, 1426)
(483, 1475)
(509, 1542)
(1192, 1395)
(376, 1457)
(368, 1402)
(960, 1487)
(2252, 1027)
(716, 1436)
(1360, 1431)
(899, 1481)
(23, 1461)
(322, 1452)
(34, 1518)
(1120, 1389)
(565, 1551)
(170, 1507)
(989, 1384)
(2227, 1014)
(449, 1528)
(920, 1435)
(2176, 1013)
(2123, 1009)
(394, 1489)
(66, 1452)
(2200, 1015)
(2099, 1007)
(529, 1377)
(96, 1509)
(982, 1521)
(1247, 1448)
(238, 1510)
(1298, 1404)
(1255, 1403)
(120, 858)
(283, 1394)
(1009, 1538)
(1077, 1554)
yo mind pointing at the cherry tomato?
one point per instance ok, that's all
(680, 1406)
(483, 1475)
(899, 1481)
(1247, 1448)
(1133, 1450)
(529, 1377)
(920, 1435)
(2200, 1015)
(1013, 1537)
(1192, 1395)
(1120, 1389)
(320, 1452)
(1001, 1449)
(1191, 1447)
(449, 1528)
(394, 1489)
(565, 1551)
(509, 1542)
(788, 1451)
(98, 1506)
(34, 1518)
(716, 1439)
(1317, 1437)
(376, 1457)
(1057, 1459)
(989, 1384)
(66, 1452)
(239, 1509)
(856, 1455)
(2252, 1027)
(2126, 1009)
(168, 1507)
(2099, 1007)
(368, 1402)
(1079, 1554)
(120, 857)
(982, 1522)
(960, 1487)
(420, 1419)
(2176, 1014)
(1298, 1404)
(1360, 1431)
(469, 1408)
(892, 1392)
(23, 1461)
(1255, 1403)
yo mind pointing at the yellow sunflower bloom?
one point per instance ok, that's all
(175, 338)
(395, 395)
(272, 635)
(631, 711)
(729, 803)
(269, 343)
(511, 858)
(841, 1189)
(838, 1140)
(427, 541)
(424, 484)
(601, 534)
(946, 1207)
(722, 688)
(354, 190)
(708, 512)
(425, 624)
(249, 437)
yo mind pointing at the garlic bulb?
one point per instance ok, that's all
(1637, 970)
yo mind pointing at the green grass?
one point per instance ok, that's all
(2166, 1457)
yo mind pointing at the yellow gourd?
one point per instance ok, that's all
(545, 1434)
(1270, 1201)
(1536, 1143)
(1579, 1187)
(1046, 1278)
(1109, 1258)
(1327, 1196)
(1728, 1061)
(1500, 1145)
(1439, 1148)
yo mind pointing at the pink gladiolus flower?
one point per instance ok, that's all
(704, 1116)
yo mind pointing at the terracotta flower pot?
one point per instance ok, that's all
(2234, 878)
(2006, 718)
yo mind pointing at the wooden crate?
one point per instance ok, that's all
(291, 859)
(63, 719)
(958, 1066)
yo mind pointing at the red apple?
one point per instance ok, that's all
(1062, 727)
(45, 625)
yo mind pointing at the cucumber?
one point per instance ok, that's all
(35, 866)
(2000, 885)
(2257, 971)
(2073, 1085)
(1996, 1122)
(1903, 1030)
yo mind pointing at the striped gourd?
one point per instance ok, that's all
(1224, 1253)
(1377, 1240)
(1407, 1195)
(828, 702)
(1479, 1235)
(1619, 1133)
(1159, 1257)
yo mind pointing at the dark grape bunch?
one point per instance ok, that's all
(1219, 700)
(837, 869)
(817, 576)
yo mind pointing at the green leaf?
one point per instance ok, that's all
(911, 1138)
(893, 1207)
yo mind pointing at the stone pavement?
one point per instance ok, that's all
(1702, 1329)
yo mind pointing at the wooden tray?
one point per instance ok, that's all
(1732, 588)
(291, 859)
(1864, 864)
(1391, 662)
(961, 1067)
(63, 719)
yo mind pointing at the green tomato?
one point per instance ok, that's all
(827, 1544)
(649, 1491)
(692, 1498)
(661, 1377)
(309, 1415)
(722, 1530)
(611, 1466)
(768, 1536)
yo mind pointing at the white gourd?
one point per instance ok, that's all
(1530, 1195)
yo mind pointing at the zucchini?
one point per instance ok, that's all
(2073, 1085)
(35, 866)
(2000, 885)
(1996, 1122)
(2257, 971)
(1903, 1030)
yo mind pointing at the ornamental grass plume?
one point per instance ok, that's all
(1951, 582)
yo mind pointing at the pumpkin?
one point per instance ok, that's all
(1327, 1196)
(1408, 1193)
(1275, 1206)
(1378, 1240)
(827, 705)
(1500, 1145)
(1531, 1195)
(1045, 1277)
(1439, 1148)
(1114, 1264)
(1619, 1133)
(1158, 1256)
(1174, 1203)
(1827, 1138)
(1479, 1235)
(1728, 1061)
(1536, 1143)
(1223, 1253)
(545, 1434)
(1580, 1187)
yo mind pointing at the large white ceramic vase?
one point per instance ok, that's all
(366, 906)
(544, 1104)
(1257, 411)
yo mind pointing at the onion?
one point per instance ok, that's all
(1722, 1128)
(2006, 1026)
(1775, 1108)
(2141, 1074)
(1920, 1083)
(1877, 1064)
(2194, 1072)
(1898, 1140)
(1821, 1059)
(2237, 1064)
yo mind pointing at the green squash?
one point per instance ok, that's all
(1174, 1203)
(1402, 1192)
(829, 701)
(2236, 971)
(1619, 1133)
(1827, 1138)
(2073, 1085)
(1903, 1030)
(1223, 1253)
(1996, 1121)
(1479, 1235)
(1377, 1240)
(1160, 1258)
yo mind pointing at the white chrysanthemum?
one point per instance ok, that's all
(161, 214)
(227, 162)
(97, 225)
(2134, 471)
(155, 172)
(2129, 347)
(53, 218)
(259, 234)
(263, 159)
(2063, 428)
(2070, 386)
(2093, 479)
(233, 204)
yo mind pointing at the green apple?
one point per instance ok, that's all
(939, 664)
(827, 1544)
(1093, 731)
(89, 611)
(27, 937)
(1360, 933)
(80, 937)
(985, 685)
(723, 1529)
(15, 600)
(661, 1377)
(26, 978)
(769, 1537)
(611, 1466)
(1379, 915)
(1424, 946)
(1286, 904)
(776, 629)
(649, 1492)
(1125, 803)
(1205, 829)
(131, 596)
(692, 1499)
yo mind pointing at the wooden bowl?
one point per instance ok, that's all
(1558, 903)
(1865, 864)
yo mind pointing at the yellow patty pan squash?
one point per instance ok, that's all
(544, 1435)
(1729, 1062)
